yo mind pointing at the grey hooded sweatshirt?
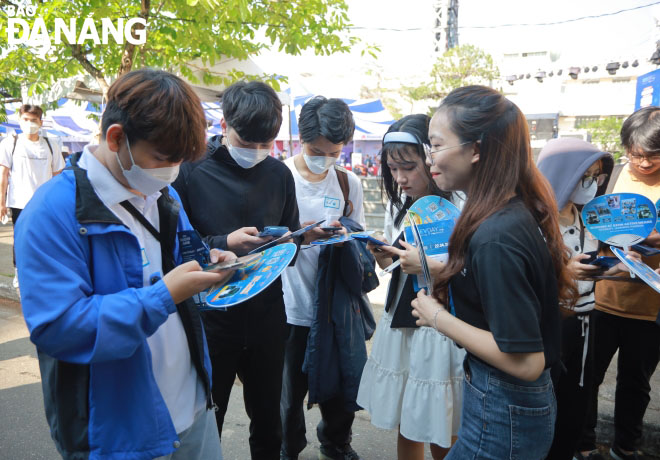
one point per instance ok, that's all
(564, 161)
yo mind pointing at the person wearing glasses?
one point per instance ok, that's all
(625, 312)
(413, 377)
(505, 278)
(577, 171)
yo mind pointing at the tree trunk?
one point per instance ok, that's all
(129, 48)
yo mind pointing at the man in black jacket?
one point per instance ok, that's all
(236, 191)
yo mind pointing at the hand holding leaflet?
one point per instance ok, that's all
(428, 281)
(286, 237)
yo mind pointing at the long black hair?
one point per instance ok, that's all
(418, 126)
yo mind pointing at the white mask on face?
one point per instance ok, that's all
(246, 158)
(29, 127)
(147, 181)
(583, 195)
(319, 165)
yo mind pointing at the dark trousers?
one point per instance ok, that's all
(15, 212)
(638, 343)
(259, 367)
(334, 429)
(572, 399)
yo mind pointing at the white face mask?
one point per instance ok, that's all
(319, 165)
(29, 127)
(148, 181)
(583, 195)
(246, 158)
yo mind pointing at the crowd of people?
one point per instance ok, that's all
(501, 358)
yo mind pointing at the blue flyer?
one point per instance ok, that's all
(250, 280)
(433, 209)
(639, 268)
(657, 209)
(620, 219)
(435, 219)
(343, 238)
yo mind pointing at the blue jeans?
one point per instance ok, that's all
(504, 417)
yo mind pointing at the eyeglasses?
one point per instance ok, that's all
(636, 158)
(588, 180)
(430, 152)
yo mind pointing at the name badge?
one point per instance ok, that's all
(332, 203)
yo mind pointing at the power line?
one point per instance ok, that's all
(540, 24)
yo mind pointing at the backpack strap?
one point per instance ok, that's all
(342, 177)
(15, 142)
(49, 146)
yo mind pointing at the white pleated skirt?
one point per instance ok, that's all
(413, 379)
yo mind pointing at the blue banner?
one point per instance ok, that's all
(648, 90)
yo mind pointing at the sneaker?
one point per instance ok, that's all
(593, 455)
(338, 453)
(616, 454)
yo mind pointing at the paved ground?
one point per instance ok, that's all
(24, 432)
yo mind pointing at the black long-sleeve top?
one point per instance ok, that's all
(219, 197)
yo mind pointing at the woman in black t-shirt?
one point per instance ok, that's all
(505, 275)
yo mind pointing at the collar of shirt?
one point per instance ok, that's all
(110, 190)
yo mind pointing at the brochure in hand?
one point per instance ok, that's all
(280, 240)
(639, 268)
(620, 219)
(435, 219)
(250, 280)
(426, 273)
(362, 236)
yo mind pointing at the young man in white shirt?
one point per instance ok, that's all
(326, 126)
(27, 160)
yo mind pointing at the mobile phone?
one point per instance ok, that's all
(231, 264)
(592, 256)
(606, 262)
(645, 250)
(369, 239)
(273, 231)
(330, 229)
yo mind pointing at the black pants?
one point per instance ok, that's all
(335, 425)
(259, 367)
(15, 212)
(638, 343)
(572, 399)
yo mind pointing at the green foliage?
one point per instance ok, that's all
(606, 134)
(459, 66)
(179, 32)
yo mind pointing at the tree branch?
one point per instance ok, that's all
(129, 48)
(77, 53)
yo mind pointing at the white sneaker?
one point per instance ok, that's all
(15, 281)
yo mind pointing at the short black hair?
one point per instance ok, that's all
(330, 118)
(641, 131)
(253, 110)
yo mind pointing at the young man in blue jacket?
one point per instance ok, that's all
(122, 353)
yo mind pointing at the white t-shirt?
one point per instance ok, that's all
(31, 165)
(175, 374)
(316, 201)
